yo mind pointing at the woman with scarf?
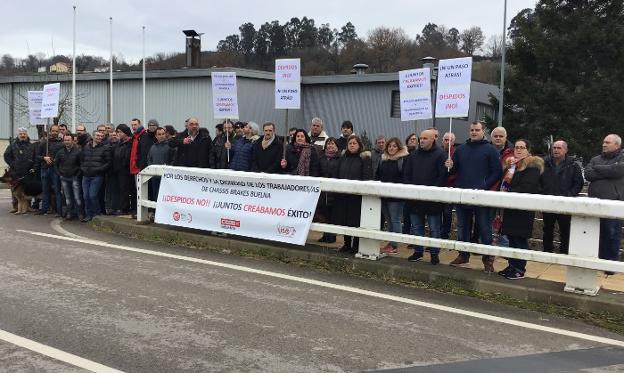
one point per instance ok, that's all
(390, 170)
(522, 175)
(241, 151)
(354, 164)
(329, 169)
(301, 156)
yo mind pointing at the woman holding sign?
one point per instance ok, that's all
(301, 157)
(354, 164)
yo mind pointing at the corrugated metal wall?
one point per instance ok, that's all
(172, 100)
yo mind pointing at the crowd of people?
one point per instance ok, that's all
(89, 174)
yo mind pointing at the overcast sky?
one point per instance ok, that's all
(39, 26)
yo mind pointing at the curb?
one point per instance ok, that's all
(395, 270)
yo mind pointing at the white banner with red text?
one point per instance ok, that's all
(276, 209)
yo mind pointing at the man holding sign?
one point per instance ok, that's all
(477, 166)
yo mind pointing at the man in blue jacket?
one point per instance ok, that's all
(477, 166)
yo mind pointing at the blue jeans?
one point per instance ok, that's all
(91, 188)
(392, 211)
(73, 195)
(464, 225)
(518, 243)
(49, 178)
(418, 229)
(610, 239)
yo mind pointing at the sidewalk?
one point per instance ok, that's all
(536, 270)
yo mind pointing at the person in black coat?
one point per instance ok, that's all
(50, 180)
(267, 152)
(95, 159)
(220, 155)
(121, 169)
(425, 166)
(518, 224)
(329, 159)
(390, 170)
(21, 157)
(193, 146)
(562, 177)
(354, 164)
(67, 165)
(301, 156)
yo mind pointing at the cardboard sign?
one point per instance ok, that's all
(50, 100)
(453, 93)
(224, 95)
(415, 90)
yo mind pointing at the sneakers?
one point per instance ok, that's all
(435, 259)
(41, 212)
(459, 261)
(389, 249)
(415, 257)
(505, 271)
(514, 275)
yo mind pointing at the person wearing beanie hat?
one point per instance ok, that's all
(121, 180)
(125, 129)
(242, 150)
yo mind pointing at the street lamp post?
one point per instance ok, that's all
(502, 82)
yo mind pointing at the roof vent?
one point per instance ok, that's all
(360, 68)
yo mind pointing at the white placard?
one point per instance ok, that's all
(224, 95)
(288, 83)
(415, 86)
(453, 93)
(50, 100)
(34, 107)
(279, 209)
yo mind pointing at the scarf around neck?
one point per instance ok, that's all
(303, 168)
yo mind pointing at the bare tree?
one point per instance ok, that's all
(471, 40)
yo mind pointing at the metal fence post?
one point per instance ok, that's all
(142, 195)
(370, 218)
(584, 238)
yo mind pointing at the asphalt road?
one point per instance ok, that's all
(140, 312)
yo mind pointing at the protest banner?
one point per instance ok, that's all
(50, 100)
(415, 91)
(288, 83)
(277, 209)
(34, 107)
(224, 95)
(453, 93)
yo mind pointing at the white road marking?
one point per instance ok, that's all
(56, 225)
(350, 289)
(55, 353)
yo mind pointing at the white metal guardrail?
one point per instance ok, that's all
(582, 262)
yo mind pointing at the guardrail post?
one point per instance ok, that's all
(584, 238)
(142, 195)
(370, 216)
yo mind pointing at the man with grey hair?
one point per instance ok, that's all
(605, 172)
(562, 177)
(378, 150)
(21, 157)
(317, 135)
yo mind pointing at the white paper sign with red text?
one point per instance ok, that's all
(34, 107)
(224, 95)
(50, 100)
(288, 83)
(415, 89)
(453, 93)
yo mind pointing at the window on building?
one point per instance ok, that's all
(395, 105)
(485, 110)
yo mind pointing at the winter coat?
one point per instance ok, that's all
(141, 144)
(267, 160)
(320, 139)
(341, 143)
(526, 179)
(52, 149)
(21, 157)
(67, 162)
(121, 157)
(347, 206)
(426, 167)
(160, 153)
(329, 166)
(477, 164)
(506, 152)
(219, 154)
(292, 162)
(566, 180)
(241, 153)
(390, 169)
(605, 173)
(376, 159)
(95, 161)
(195, 154)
